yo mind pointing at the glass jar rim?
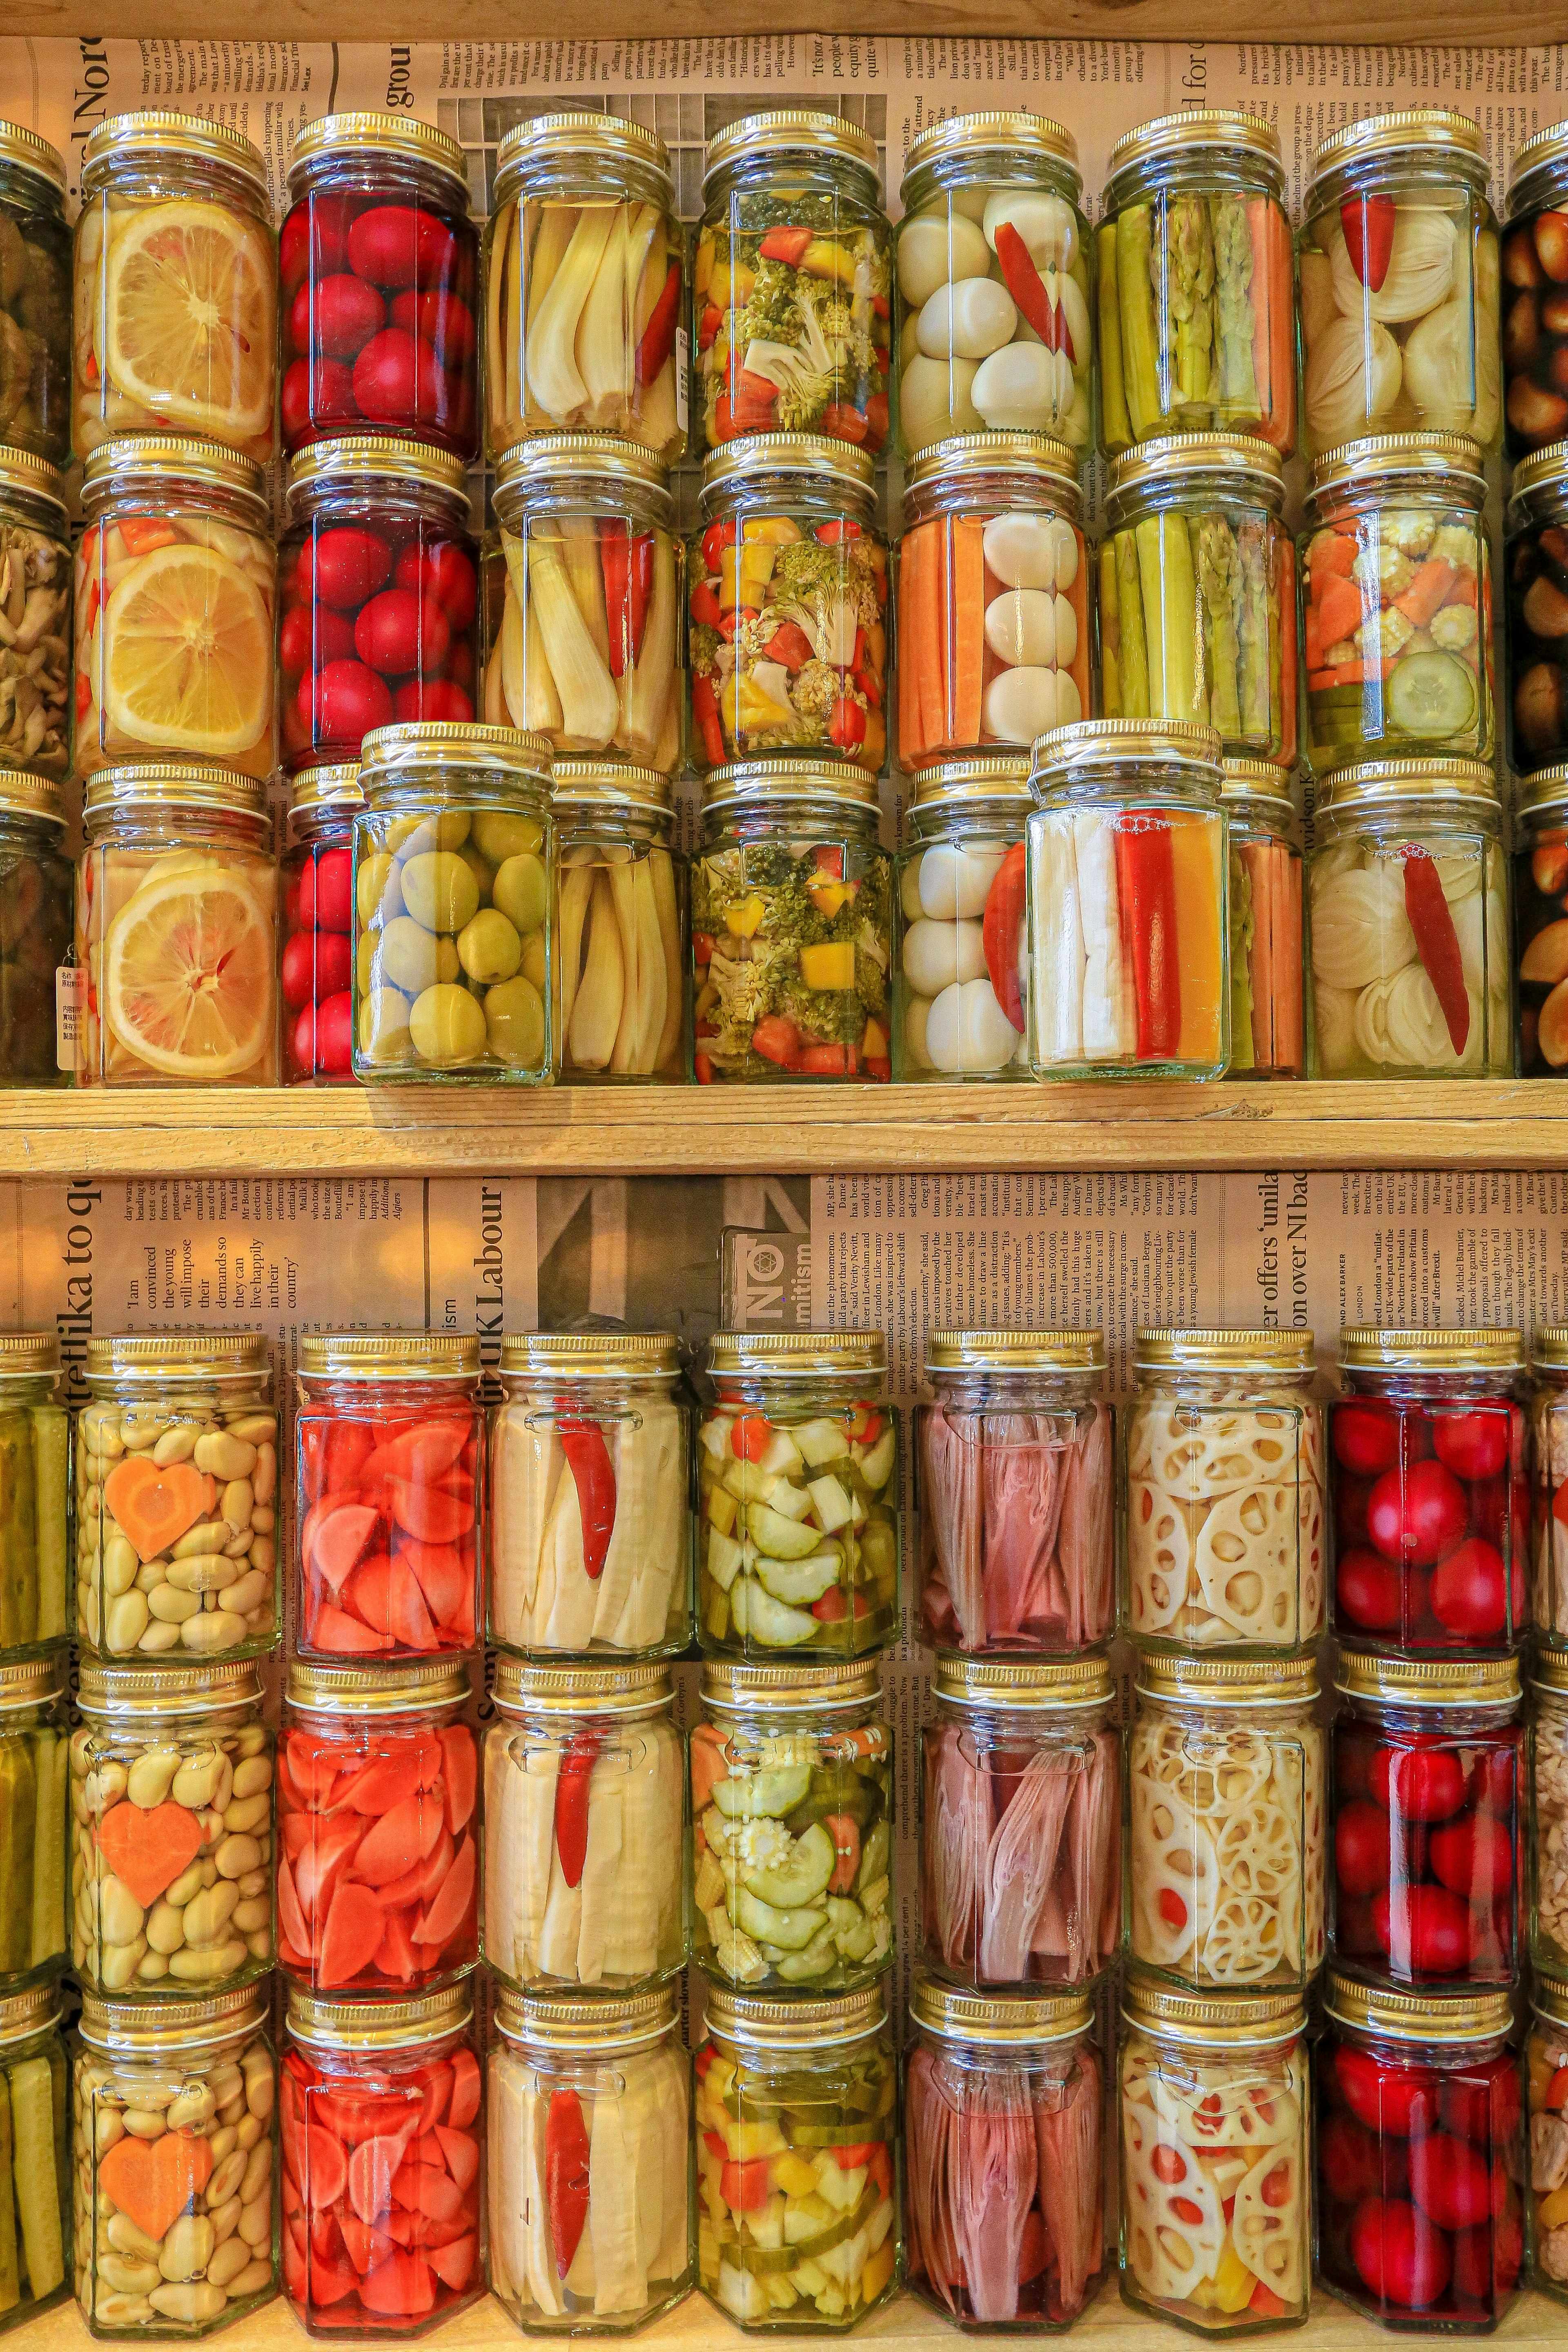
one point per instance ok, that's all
(774, 2020)
(576, 134)
(407, 1687)
(1543, 469)
(789, 130)
(344, 2022)
(32, 1682)
(28, 1355)
(797, 1355)
(809, 456)
(24, 151)
(1093, 748)
(1221, 1681)
(1451, 463)
(109, 1691)
(1269, 1349)
(1441, 131)
(124, 1359)
(363, 132)
(1421, 1682)
(1430, 2017)
(595, 2024)
(1014, 2021)
(394, 757)
(1367, 785)
(618, 787)
(960, 457)
(1488, 1349)
(173, 784)
(1201, 128)
(978, 779)
(1014, 133)
(389, 1356)
(581, 1686)
(1210, 462)
(378, 461)
(1543, 152)
(35, 2009)
(591, 1355)
(1551, 1669)
(159, 134)
(741, 784)
(1029, 1685)
(1257, 787)
(135, 2026)
(332, 785)
(605, 461)
(1240, 2021)
(24, 475)
(1015, 1351)
(161, 465)
(1549, 1997)
(1549, 1348)
(734, 1687)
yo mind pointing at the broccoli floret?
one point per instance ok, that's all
(806, 569)
(770, 310)
(834, 1014)
(800, 404)
(870, 982)
(705, 644)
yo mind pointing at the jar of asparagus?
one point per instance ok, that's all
(621, 923)
(35, 1473)
(32, 1751)
(960, 993)
(1267, 974)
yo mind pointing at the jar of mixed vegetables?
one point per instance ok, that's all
(315, 970)
(35, 2192)
(788, 596)
(1540, 920)
(1197, 591)
(1536, 569)
(379, 281)
(621, 918)
(582, 599)
(792, 926)
(1407, 909)
(37, 1041)
(1400, 288)
(175, 590)
(792, 1806)
(1197, 322)
(1548, 1815)
(1535, 314)
(793, 280)
(35, 1473)
(797, 2159)
(797, 1542)
(35, 296)
(591, 2211)
(993, 282)
(992, 595)
(176, 276)
(33, 1760)
(1546, 2058)
(960, 995)
(1268, 970)
(454, 875)
(1129, 903)
(35, 599)
(585, 321)
(1547, 1454)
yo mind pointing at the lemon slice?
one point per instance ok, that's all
(188, 975)
(188, 654)
(190, 317)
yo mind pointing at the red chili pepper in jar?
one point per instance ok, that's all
(1438, 941)
(1146, 886)
(593, 1474)
(566, 2175)
(1003, 914)
(577, 1760)
(658, 335)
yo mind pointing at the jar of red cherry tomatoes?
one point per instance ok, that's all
(1430, 1798)
(1547, 2076)
(389, 1459)
(1420, 2146)
(1431, 1499)
(379, 269)
(316, 967)
(382, 2160)
(377, 1777)
(378, 591)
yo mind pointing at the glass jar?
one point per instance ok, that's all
(1536, 569)
(176, 1461)
(1548, 1817)
(37, 879)
(35, 589)
(378, 595)
(1197, 321)
(1535, 316)
(1397, 601)
(1004, 2124)
(35, 1473)
(1429, 1820)
(1546, 2055)
(620, 882)
(33, 1746)
(1407, 910)
(1129, 961)
(379, 269)
(1002, 653)
(389, 1462)
(1020, 1821)
(1216, 2181)
(454, 875)
(590, 1471)
(175, 309)
(174, 2201)
(787, 597)
(1431, 1491)
(381, 2237)
(792, 1806)
(1197, 591)
(1226, 1836)
(800, 1430)
(582, 599)
(816, 2082)
(960, 991)
(794, 270)
(1268, 969)
(583, 2243)
(790, 875)
(584, 1827)
(1226, 1501)
(1548, 1456)
(171, 1798)
(377, 1760)
(35, 296)
(316, 962)
(35, 2188)
(175, 586)
(1017, 1506)
(995, 326)
(1539, 908)
(1421, 2157)
(586, 326)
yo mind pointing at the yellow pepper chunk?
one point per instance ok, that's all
(1233, 2282)
(1553, 2211)
(746, 2140)
(745, 917)
(827, 897)
(1194, 858)
(879, 2270)
(825, 257)
(771, 531)
(722, 1510)
(875, 1041)
(830, 963)
(795, 2175)
(702, 273)
(730, 287)
(744, 573)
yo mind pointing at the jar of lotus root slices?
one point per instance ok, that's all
(1225, 1823)
(1224, 1486)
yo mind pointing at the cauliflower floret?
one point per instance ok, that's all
(1388, 571)
(816, 689)
(1454, 628)
(1456, 543)
(1383, 638)
(1411, 531)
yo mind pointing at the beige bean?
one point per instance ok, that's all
(246, 1815)
(255, 1428)
(205, 1571)
(232, 2112)
(250, 1739)
(263, 1553)
(125, 2238)
(265, 1476)
(255, 2278)
(107, 2128)
(130, 2275)
(196, 1779)
(151, 1575)
(145, 2123)
(176, 1444)
(203, 1537)
(257, 2172)
(222, 2143)
(225, 2180)
(207, 1865)
(222, 1631)
(224, 2218)
(237, 1503)
(205, 1965)
(226, 2261)
(192, 2107)
(209, 1912)
(151, 1966)
(138, 1436)
(120, 2310)
(158, 1637)
(226, 2081)
(264, 1519)
(249, 2130)
(88, 1618)
(224, 1455)
(90, 1506)
(240, 1543)
(188, 2248)
(258, 1943)
(125, 1621)
(119, 1916)
(256, 2220)
(195, 2300)
(236, 1855)
(119, 1964)
(248, 1592)
(189, 1882)
(224, 1793)
(119, 1566)
(171, 1607)
(105, 1787)
(260, 2084)
(251, 1775)
(152, 1777)
(251, 1914)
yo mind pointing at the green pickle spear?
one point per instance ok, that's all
(36, 2167)
(18, 1813)
(19, 1532)
(10, 2273)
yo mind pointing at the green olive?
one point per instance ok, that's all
(514, 1014)
(532, 964)
(378, 888)
(483, 871)
(384, 1025)
(413, 958)
(439, 891)
(440, 829)
(520, 891)
(498, 835)
(448, 1027)
(364, 960)
(489, 947)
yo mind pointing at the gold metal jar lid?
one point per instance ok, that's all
(981, 777)
(1549, 1346)
(22, 474)
(731, 1688)
(389, 1356)
(174, 784)
(813, 457)
(1221, 1681)
(1228, 128)
(1551, 1668)
(402, 1689)
(108, 1692)
(1256, 2020)
(1541, 796)
(1549, 1998)
(133, 2027)
(797, 1355)
(607, 140)
(581, 786)
(1438, 463)
(1015, 1351)
(1546, 151)
(1430, 2017)
(23, 794)
(791, 131)
(997, 2020)
(1239, 1351)
(591, 1355)
(33, 2011)
(28, 1355)
(971, 456)
(1260, 785)
(355, 458)
(1489, 1350)
(23, 151)
(1208, 462)
(597, 2024)
(390, 756)
(1032, 1685)
(159, 466)
(1092, 747)
(117, 1360)
(1426, 1682)
(1019, 136)
(1372, 783)
(1547, 469)
(1438, 130)
(742, 784)
(335, 784)
(165, 135)
(586, 1686)
(401, 135)
(32, 1682)
(552, 458)
(323, 2023)
(767, 2021)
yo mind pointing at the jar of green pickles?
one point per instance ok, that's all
(1267, 975)
(35, 2177)
(35, 296)
(961, 992)
(33, 1745)
(620, 924)
(454, 874)
(35, 1473)
(797, 2112)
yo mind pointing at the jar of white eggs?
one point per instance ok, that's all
(960, 994)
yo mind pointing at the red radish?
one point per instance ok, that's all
(395, 1955)
(372, 2170)
(326, 2167)
(365, 2246)
(429, 1513)
(461, 2153)
(338, 1542)
(397, 1840)
(451, 1908)
(453, 2264)
(289, 1917)
(319, 1866)
(460, 1760)
(465, 2104)
(330, 2283)
(351, 1935)
(419, 1885)
(399, 2288)
(447, 1584)
(434, 2104)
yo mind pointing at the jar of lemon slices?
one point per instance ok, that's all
(177, 914)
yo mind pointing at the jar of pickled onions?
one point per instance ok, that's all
(1267, 974)
(1541, 931)
(1547, 2074)
(316, 962)
(1548, 1455)
(960, 991)
(35, 296)
(622, 922)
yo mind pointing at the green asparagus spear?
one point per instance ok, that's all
(1135, 648)
(1139, 338)
(48, 1923)
(1258, 635)
(1110, 632)
(51, 1477)
(1189, 290)
(1116, 426)
(1235, 377)
(35, 2165)
(19, 1533)
(1170, 617)
(1243, 921)
(19, 1811)
(1219, 576)
(10, 2275)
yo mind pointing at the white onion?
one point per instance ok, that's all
(936, 954)
(954, 881)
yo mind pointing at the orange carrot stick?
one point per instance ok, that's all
(1289, 661)
(964, 628)
(911, 555)
(1427, 593)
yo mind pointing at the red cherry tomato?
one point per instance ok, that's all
(1424, 1931)
(1398, 2099)
(398, 380)
(1351, 1495)
(400, 245)
(442, 320)
(323, 1036)
(348, 564)
(1348, 2160)
(397, 632)
(1494, 1780)
(1366, 1436)
(434, 698)
(307, 639)
(446, 570)
(1400, 2257)
(1362, 1848)
(334, 890)
(1485, 2108)
(1417, 1514)
(1423, 1784)
(1452, 2182)
(331, 219)
(296, 968)
(1473, 1445)
(336, 317)
(344, 701)
(1368, 1591)
(1474, 1857)
(1470, 1594)
(1353, 1767)
(461, 666)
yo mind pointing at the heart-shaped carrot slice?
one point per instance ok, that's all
(154, 1507)
(154, 2181)
(148, 1850)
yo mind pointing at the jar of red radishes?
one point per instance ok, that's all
(1421, 2156)
(316, 969)
(1429, 1799)
(1431, 1494)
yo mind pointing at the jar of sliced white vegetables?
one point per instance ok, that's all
(960, 991)
(620, 924)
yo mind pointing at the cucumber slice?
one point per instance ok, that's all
(51, 1474)
(761, 2260)
(50, 1757)
(10, 2274)
(37, 2174)
(1430, 696)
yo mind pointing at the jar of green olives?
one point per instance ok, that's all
(453, 883)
